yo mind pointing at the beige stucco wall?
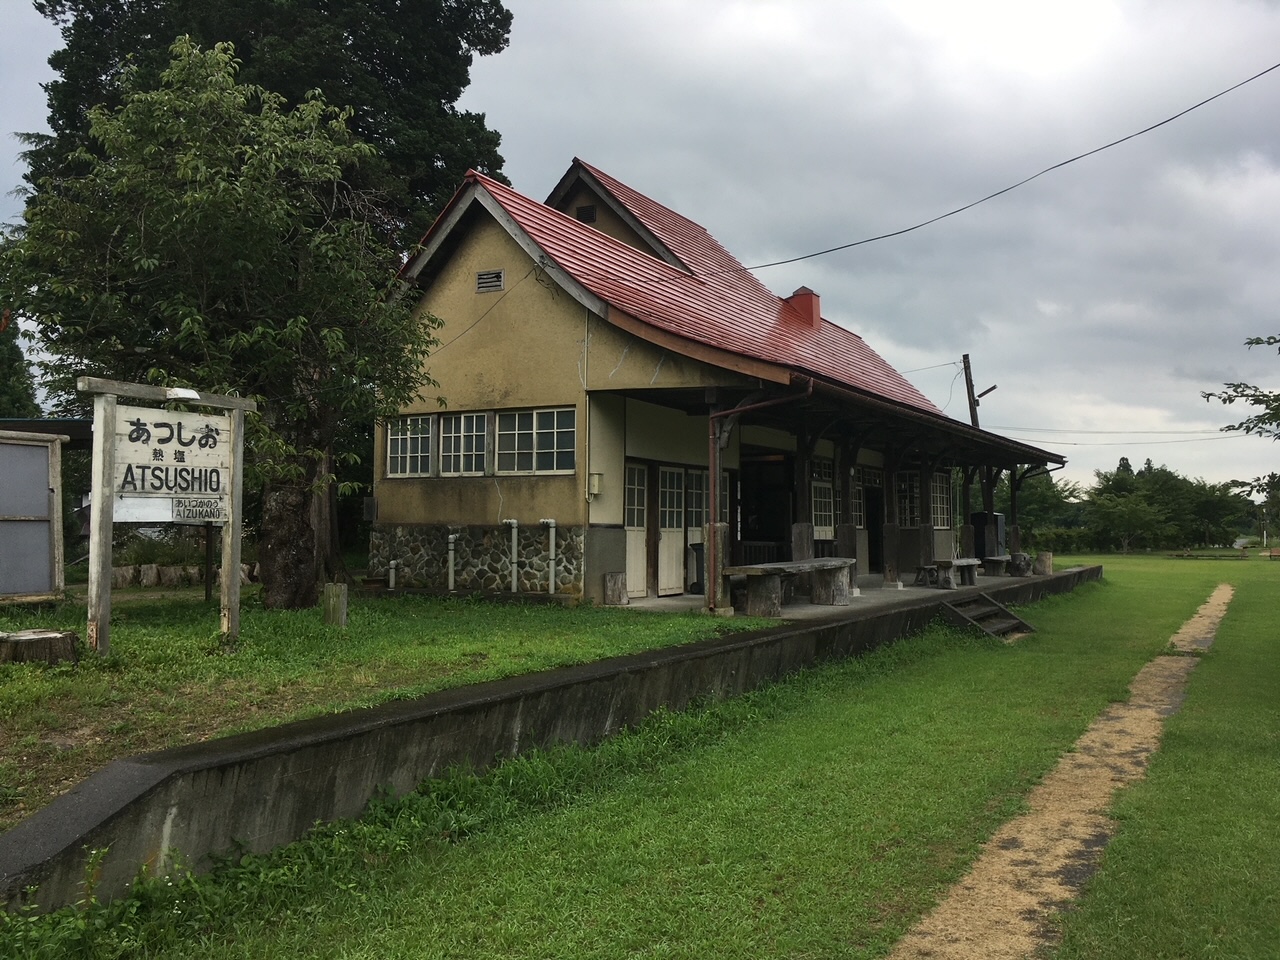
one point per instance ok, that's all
(516, 348)
(672, 436)
(524, 347)
(607, 221)
(608, 457)
(756, 436)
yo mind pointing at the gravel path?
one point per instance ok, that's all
(1037, 863)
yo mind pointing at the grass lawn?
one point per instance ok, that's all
(819, 817)
(169, 681)
(1195, 868)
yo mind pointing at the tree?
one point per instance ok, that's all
(401, 67)
(1266, 422)
(1126, 520)
(1045, 506)
(17, 394)
(215, 243)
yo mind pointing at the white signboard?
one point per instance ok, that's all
(171, 467)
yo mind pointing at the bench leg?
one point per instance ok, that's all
(969, 575)
(947, 579)
(764, 595)
(831, 587)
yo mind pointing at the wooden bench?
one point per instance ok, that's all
(948, 574)
(831, 576)
(1274, 553)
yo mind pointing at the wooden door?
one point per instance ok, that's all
(670, 531)
(636, 511)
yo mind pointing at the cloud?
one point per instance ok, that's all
(1104, 296)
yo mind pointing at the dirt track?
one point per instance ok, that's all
(1036, 863)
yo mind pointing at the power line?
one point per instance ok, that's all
(1097, 432)
(936, 366)
(992, 196)
(1134, 443)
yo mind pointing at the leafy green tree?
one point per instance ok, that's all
(17, 393)
(214, 242)
(1168, 509)
(1044, 505)
(1126, 520)
(1266, 422)
(401, 67)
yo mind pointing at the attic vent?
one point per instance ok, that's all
(489, 281)
(586, 214)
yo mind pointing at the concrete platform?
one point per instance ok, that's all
(874, 596)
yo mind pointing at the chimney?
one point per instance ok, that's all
(809, 304)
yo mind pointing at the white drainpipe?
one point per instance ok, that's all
(515, 548)
(551, 564)
(453, 539)
(391, 575)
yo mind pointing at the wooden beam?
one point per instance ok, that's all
(100, 513)
(698, 351)
(142, 391)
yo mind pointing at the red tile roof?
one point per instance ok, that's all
(717, 303)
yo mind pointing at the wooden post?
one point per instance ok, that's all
(208, 563)
(100, 512)
(335, 604)
(717, 586)
(231, 533)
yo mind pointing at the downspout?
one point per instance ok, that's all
(551, 562)
(713, 481)
(515, 547)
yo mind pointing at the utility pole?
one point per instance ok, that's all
(986, 476)
(968, 385)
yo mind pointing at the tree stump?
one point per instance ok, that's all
(47, 646)
(1043, 564)
(615, 590)
(124, 577)
(148, 575)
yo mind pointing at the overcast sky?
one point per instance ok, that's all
(1102, 298)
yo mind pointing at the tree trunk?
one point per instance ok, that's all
(287, 550)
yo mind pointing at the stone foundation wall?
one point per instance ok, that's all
(482, 557)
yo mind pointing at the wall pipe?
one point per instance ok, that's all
(713, 481)
(551, 563)
(515, 547)
(453, 539)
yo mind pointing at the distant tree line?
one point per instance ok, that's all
(1153, 508)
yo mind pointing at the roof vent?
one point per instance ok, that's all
(488, 281)
(809, 305)
(586, 214)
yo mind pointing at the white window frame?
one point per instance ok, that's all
(907, 490)
(409, 445)
(517, 441)
(940, 500)
(635, 508)
(822, 501)
(697, 496)
(463, 442)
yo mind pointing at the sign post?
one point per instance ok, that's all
(157, 466)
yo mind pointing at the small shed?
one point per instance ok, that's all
(31, 563)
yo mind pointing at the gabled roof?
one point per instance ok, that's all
(711, 299)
